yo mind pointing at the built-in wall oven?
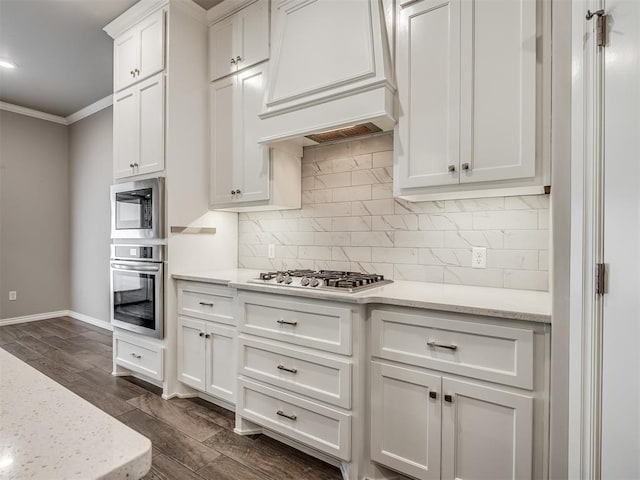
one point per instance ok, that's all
(137, 209)
(137, 288)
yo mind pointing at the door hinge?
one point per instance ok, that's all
(601, 26)
(601, 278)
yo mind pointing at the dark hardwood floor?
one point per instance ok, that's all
(192, 439)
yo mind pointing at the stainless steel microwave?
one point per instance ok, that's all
(137, 209)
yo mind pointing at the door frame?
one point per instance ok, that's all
(586, 306)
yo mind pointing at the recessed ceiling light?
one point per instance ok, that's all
(7, 64)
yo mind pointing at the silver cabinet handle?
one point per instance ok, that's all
(201, 334)
(233, 192)
(233, 61)
(442, 345)
(290, 417)
(206, 304)
(465, 166)
(284, 322)
(451, 168)
(238, 191)
(448, 398)
(131, 165)
(133, 73)
(135, 355)
(207, 335)
(238, 59)
(290, 370)
(136, 164)
(137, 72)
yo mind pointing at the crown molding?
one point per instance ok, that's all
(132, 16)
(9, 107)
(192, 9)
(90, 109)
(225, 9)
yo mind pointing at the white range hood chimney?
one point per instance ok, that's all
(330, 69)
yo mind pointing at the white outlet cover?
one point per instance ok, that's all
(271, 251)
(13, 295)
(479, 257)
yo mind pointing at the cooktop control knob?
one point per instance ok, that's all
(314, 282)
(304, 281)
(279, 278)
(288, 279)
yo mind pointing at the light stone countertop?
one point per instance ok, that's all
(48, 432)
(493, 302)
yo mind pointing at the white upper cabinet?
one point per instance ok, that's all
(138, 128)
(469, 98)
(139, 52)
(240, 40)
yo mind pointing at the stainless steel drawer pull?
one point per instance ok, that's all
(442, 345)
(290, 370)
(290, 417)
(135, 355)
(284, 322)
(206, 304)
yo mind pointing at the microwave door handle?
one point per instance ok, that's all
(135, 268)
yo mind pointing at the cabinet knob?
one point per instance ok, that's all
(133, 73)
(448, 398)
(201, 334)
(451, 168)
(233, 61)
(238, 191)
(131, 165)
(137, 71)
(465, 166)
(233, 192)
(433, 395)
(238, 59)
(136, 164)
(207, 336)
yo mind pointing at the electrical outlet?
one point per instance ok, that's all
(271, 251)
(13, 295)
(479, 257)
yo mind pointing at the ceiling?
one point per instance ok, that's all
(64, 59)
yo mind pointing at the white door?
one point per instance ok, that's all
(191, 352)
(125, 132)
(487, 433)
(428, 70)
(151, 39)
(251, 159)
(151, 131)
(405, 420)
(125, 59)
(498, 90)
(222, 56)
(253, 34)
(221, 362)
(222, 131)
(621, 319)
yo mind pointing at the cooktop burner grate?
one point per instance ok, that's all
(323, 279)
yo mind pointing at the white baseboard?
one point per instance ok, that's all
(61, 313)
(91, 320)
(34, 318)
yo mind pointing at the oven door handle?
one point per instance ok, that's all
(135, 268)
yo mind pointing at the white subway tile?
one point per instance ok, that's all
(330, 265)
(385, 269)
(458, 257)
(526, 280)
(292, 238)
(321, 196)
(333, 180)
(335, 209)
(286, 251)
(348, 194)
(335, 150)
(395, 222)
(475, 204)
(314, 224)
(402, 206)
(543, 219)
(378, 143)
(351, 224)
(247, 250)
(308, 183)
(372, 239)
(527, 202)
(418, 273)
(351, 254)
(346, 164)
(247, 226)
(474, 238)
(508, 219)
(418, 239)
(372, 176)
(332, 238)
(314, 252)
(526, 239)
(383, 159)
(257, 263)
(445, 221)
(282, 225)
(489, 277)
(310, 169)
(394, 255)
(543, 260)
(514, 259)
(373, 207)
(382, 190)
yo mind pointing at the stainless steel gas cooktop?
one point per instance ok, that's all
(349, 282)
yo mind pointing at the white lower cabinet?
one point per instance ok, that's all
(138, 355)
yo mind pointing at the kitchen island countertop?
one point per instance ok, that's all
(48, 432)
(524, 305)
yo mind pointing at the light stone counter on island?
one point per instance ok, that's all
(492, 302)
(47, 432)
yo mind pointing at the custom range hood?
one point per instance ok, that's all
(330, 74)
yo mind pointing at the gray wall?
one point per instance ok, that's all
(90, 173)
(34, 215)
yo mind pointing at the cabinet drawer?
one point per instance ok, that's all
(318, 426)
(315, 325)
(206, 302)
(488, 352)
(140, 356)
(317, 376)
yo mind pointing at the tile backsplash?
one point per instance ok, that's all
(349, 220)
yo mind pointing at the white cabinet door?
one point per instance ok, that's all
(126, 140)
(239, 41)
(221, 362)
(222, 138)
(151, 129)
(428, 71)
(498, 101)
(487, 433)
(406, 420)
(139, 52)
(250, 156)
(191, 352)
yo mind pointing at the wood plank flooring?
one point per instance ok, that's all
(192, 439)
